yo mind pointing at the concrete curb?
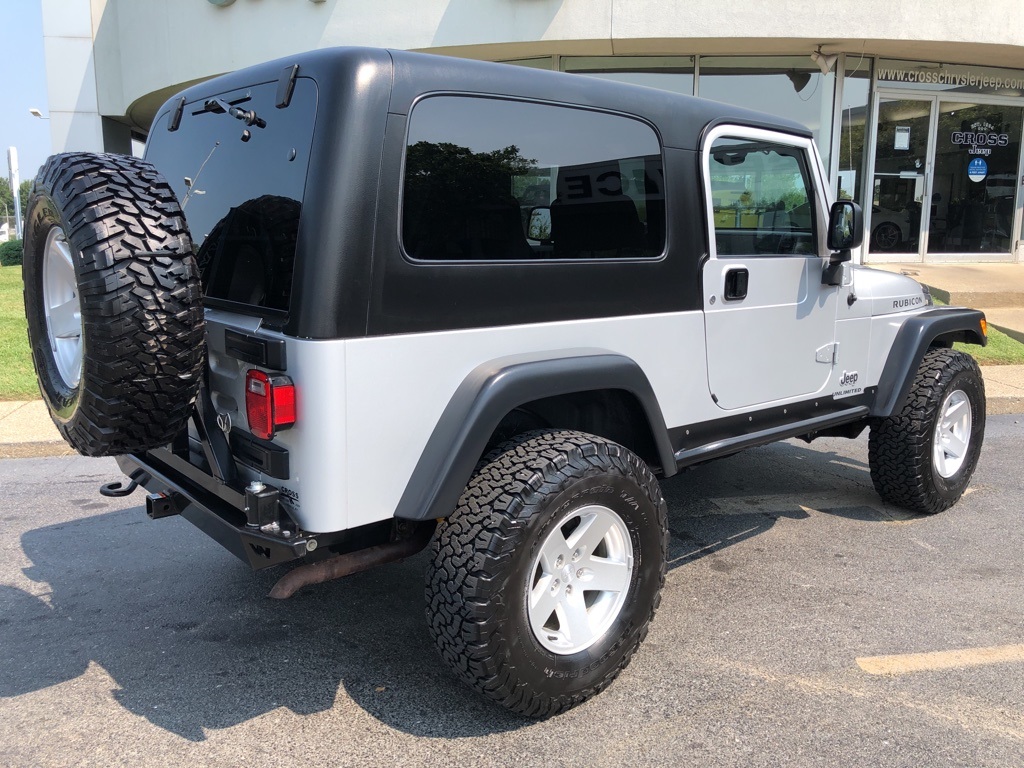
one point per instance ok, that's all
(1004, 405)
(34, 449)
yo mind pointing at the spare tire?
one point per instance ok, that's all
(113, 302)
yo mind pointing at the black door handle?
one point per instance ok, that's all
(736, 284)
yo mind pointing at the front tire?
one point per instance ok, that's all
(544, 580)
(923, 457)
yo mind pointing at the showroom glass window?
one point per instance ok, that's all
(490, 179)
(974, 184)
(853, 128)
(977, 150)
(537, 62)
(669, 73)
(789, 86)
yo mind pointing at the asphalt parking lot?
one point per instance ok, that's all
(125, 641)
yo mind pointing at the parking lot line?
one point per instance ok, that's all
(900, 664)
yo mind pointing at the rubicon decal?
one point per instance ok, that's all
(906, 303)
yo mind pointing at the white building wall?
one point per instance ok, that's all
(146, 45)
(75, 122)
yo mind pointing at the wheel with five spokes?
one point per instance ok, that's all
(886, 237)
(544, 580)
(923, 456)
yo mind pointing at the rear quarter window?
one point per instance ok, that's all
(489, 179)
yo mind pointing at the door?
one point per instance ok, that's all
(904, 145)
(974, 188)
(769, 322)
(946, 179)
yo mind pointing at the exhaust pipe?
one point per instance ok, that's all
(348, 564)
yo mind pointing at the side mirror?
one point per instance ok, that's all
(845, 230)
(539, 227)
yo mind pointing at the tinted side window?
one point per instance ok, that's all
(476, 168)
(762, 199)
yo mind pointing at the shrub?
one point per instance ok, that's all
(10, 253)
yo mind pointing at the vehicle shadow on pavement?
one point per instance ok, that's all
(193, 643)
(723, 503)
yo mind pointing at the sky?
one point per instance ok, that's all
(21, 28)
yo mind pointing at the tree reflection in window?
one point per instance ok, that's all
(459, 205)
(248, 256)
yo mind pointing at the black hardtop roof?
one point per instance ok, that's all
(681, 120)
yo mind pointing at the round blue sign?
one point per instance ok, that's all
(977, 169)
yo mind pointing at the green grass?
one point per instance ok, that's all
(1000, 350)
(17, 377)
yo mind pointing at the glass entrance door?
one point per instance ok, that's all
(975, 180)
(946, 179)
(901, 184)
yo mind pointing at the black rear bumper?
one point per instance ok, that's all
(216, 508)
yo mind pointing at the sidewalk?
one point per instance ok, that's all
(26, 430)
(983, 286)
(996, 289)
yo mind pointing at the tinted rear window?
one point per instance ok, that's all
(241, 187)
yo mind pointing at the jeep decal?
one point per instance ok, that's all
(847, 385)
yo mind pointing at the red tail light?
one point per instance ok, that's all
(269, 403)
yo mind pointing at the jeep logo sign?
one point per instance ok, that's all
(848, 379)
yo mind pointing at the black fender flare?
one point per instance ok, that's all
(497, 387)
(914, 338)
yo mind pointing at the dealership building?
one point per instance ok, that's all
(917, 107)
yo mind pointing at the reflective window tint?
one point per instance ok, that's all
(975, 179)
(761, 197)
(242, 196)
(501, 180)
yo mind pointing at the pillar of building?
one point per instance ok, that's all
(75, 121)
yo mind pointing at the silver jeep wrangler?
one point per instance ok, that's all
(358, 301)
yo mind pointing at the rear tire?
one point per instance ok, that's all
(544, 580)
(923, 457)
(113, 303)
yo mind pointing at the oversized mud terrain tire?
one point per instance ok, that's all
(113, 302)
(923, 456)
(543, 582)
